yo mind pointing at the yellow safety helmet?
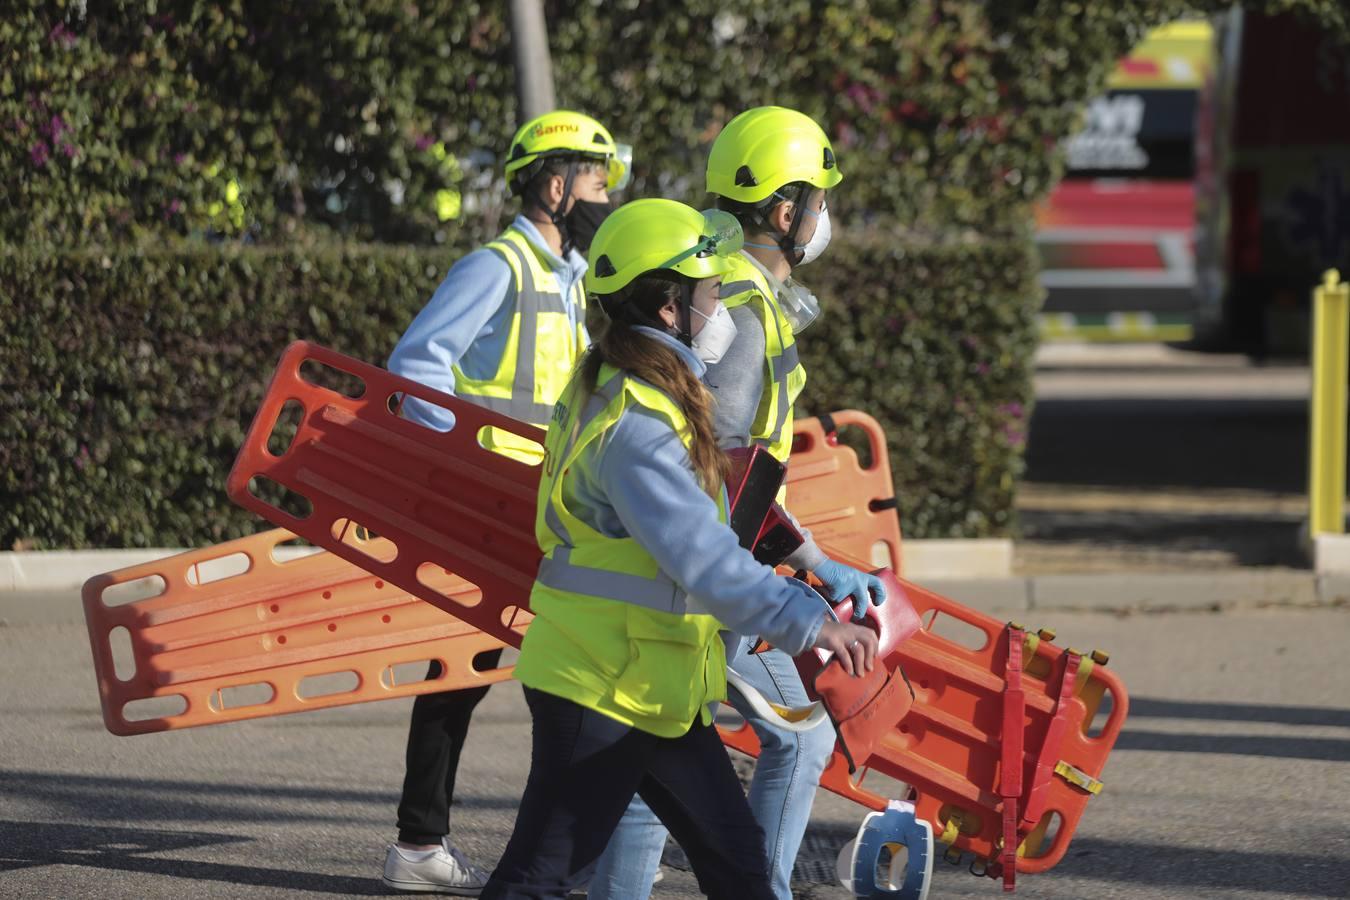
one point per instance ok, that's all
(566, 133)
(651, 235)
(765, 148)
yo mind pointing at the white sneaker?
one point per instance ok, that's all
(440, 871)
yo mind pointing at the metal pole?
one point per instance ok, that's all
(534, 66)
(1327, 415)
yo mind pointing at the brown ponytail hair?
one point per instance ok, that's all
(642, 355)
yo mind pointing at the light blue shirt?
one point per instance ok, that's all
(639, 482)
(468, 320)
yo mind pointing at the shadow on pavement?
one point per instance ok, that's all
(29, 844)
(1287, 874)
(1236, 744)
(1191, 443)
(93, 798)
(1239, 712)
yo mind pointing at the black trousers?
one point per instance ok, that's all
(440, 723)
(584, 770)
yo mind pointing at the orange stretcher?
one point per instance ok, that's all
(240, 631)
(974, 715)
(444, 504)
(849, 507)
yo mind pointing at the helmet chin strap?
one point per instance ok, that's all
(787, 242)
(686, 304)
(556, 215)
(680, 330)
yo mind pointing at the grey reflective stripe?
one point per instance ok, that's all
(736, 287)
(783, 409)
(530, 302)
(785, 362)
(659, 593)
(522, 410)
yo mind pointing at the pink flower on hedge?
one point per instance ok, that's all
(982, 368)
(39, 154)
(63, 35)
(423, 142)
(69, 150)
(178, 158)
(1012, 410)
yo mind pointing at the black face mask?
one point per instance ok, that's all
(583, 221)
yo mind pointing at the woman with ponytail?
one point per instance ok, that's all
(641, 574)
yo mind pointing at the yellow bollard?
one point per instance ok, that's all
(1327, 415)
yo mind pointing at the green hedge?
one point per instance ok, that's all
(128, 117)
(127, 379)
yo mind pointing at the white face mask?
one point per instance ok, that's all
(716, 335)
(820, 240)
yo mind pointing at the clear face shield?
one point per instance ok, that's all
(619, 168)
(722, 236)
(799, 305)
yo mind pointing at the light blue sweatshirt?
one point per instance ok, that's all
(639, 482)
(468, 320)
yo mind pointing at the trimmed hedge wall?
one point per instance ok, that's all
(388, 120)
(127, 379)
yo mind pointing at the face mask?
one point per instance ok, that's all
(799, 305)
(583, 221)
(718, 331)
(820, 240)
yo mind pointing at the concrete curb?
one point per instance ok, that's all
(1331, 554)
(68, 570)
(974, 558)
(1147, 591)
(43, 587)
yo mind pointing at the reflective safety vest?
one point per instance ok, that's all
(784, 376)
(542, 346)
(612, 632)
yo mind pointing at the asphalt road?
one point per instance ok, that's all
(1142, 457)
(1229, 781)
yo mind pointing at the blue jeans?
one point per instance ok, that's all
(781, 793)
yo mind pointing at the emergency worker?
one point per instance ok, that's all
(503, 330)
(641, 573)
(770, 168)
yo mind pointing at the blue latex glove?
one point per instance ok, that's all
(845, 581)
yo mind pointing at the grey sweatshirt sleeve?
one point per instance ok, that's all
(737, 380)
(645, 474)
(737, 383)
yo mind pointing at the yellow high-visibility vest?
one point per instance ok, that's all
(784, 376)
(612, 632)
(542, 347)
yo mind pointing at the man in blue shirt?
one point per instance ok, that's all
(503, 330)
